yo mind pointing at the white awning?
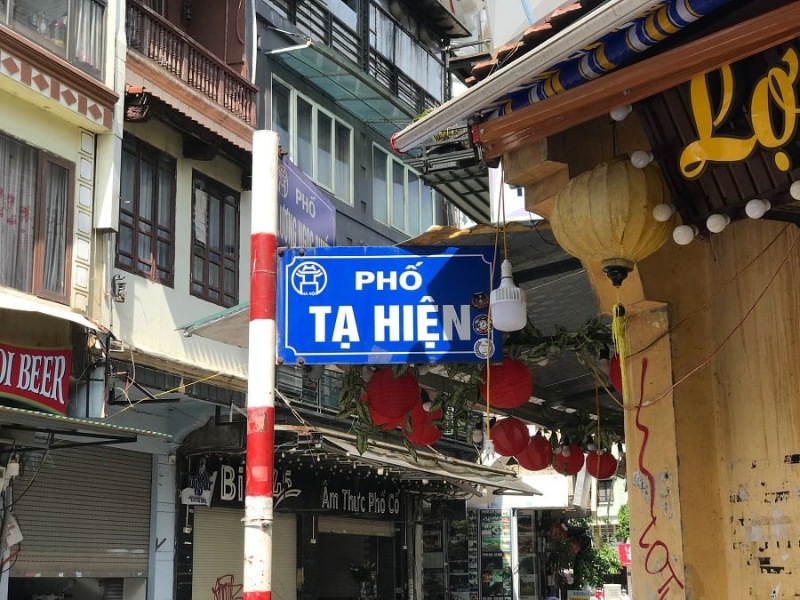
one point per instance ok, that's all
(9, 301)
(458, 472)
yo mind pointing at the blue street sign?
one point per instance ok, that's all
(306, 216)
(385, 305)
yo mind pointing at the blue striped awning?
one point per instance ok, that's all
(613, 50)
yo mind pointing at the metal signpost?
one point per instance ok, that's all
(386, 305)
(306, 216)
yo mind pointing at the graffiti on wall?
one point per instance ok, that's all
(658, 557)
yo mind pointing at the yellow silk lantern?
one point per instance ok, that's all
(606, 215)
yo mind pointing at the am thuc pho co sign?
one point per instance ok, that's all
(36, 376)
(386, 305)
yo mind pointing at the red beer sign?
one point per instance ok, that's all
(37, 376)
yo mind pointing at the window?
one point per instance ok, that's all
(215, 241)
(605, 491)
(317, 142)
(35, 220)
(146, 240)
(71, 29)
(400, 198)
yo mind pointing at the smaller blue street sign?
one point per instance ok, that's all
(306, 217)
(386, 305)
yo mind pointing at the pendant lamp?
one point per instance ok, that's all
(605, 215)
(508, 308)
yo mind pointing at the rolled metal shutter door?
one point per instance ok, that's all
(219, 553)
(83, 512)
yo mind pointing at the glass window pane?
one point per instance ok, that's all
(343, 164)
(36, 19)
(398, 196)
(231, 224)
(88, 19)
(324, 150)
(413, 204)
(213, 275)
(214, 216)
(56, 211)
(281, 114)
(125, 242)
(305, 149)
(380, 200)
(127, 181)
(166, 181)
(146, 173)
(427, 208)
(230, 281)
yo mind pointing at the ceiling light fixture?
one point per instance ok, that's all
(756, 208)
(717, 223)
(620, 113)
(684, 234)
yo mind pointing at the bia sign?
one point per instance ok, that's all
(36, 376)
(385, 305)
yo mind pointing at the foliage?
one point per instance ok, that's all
(623, 530)
(593, 565)
(460, 400)
(363, 572)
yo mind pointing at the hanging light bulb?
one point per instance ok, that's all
(620, 113)
(684, 234)
(717, 223)
(756, 208)
(477, 434)
(641, 158)
(508, 308)
(794, 190)
(663, 212)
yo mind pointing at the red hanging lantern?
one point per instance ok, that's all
(568, 459)
(423, 431)
(601, 464)
(511, 384)
(392, 396)
(381, 420)
(615, 373)
(510, 436)
(537, 455)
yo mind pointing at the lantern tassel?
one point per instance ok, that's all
(619, 335)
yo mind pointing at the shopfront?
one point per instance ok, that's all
(331, 528)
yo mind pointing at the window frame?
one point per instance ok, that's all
(43, 158)
(69, 53)
(436, 199)
(201, 251)
(293, 147)
(161, 158)
(605, 491)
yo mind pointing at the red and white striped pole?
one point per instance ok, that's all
(258, 515)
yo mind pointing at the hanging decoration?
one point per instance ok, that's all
(537, 455)
(568, 459)
(393, 396)
(605, 215)
(511, 384)
(601, 464)
(615, 373)
(510, 436)
(423, 430)
(381, 420)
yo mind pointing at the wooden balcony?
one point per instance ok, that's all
(160, 41)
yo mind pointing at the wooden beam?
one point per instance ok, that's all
(637, 82)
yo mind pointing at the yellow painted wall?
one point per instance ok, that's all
(734, 317)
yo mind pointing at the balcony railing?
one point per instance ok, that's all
(153, 36)
(401, 65)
